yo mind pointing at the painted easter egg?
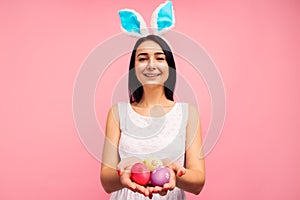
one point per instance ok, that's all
(140, 174)
(160, 176)
(152, 163)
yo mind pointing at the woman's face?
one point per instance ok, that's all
(151, 66)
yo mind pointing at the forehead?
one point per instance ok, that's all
(149, 46)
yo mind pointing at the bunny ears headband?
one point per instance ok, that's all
(162, 20)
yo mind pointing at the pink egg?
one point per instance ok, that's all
(140, 174)
(160, 176)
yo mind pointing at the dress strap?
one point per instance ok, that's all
(185, 112)
(122, 107)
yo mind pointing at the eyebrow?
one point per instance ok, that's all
(145, 54)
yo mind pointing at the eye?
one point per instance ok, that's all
(160, 58)
(142, 59)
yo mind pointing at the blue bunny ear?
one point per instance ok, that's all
(163, 18)
(132, 23)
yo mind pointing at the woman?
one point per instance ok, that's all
(152, 124)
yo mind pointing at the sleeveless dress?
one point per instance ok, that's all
(146, 136)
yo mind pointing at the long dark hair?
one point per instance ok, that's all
(135, 87)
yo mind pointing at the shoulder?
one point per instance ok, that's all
(113, 109)
(113, 113)
(112, 131)
(192, 109)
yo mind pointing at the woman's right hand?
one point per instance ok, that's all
(126, 164)
(124, 171)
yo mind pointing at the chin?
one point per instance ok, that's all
(153, 84)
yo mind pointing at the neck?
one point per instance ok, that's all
(153, 95)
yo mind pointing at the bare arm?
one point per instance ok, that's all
(111, 179)
(110, 158)
(194, 178)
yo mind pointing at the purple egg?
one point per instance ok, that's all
(160, 176)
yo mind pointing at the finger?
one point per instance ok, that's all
(174, 166)
(181, 171)
(157, 189)
(177, 166)
(142, 190)
(172, 181)
(150, 189)
(123, 169)
(163, 192)
(150, 196)
(119, 172)
(170, 186)
(122, 166)
(132, 188)
(124, 175)
(126, 181)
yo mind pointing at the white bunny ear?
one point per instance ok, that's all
(133, 23)
(163, 18)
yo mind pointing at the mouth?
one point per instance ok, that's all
(152, 75)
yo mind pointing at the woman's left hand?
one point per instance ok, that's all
(175, 169)
(175, 166)
(172, 183)
(166, 187)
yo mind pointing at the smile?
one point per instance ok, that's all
(151, 75)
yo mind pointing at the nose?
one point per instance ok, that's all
(151, 64)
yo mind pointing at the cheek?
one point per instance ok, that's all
(138, 73)
(138, 69)
(166, 74)
(140, 66)
(165, 69)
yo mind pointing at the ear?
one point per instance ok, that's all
(163, 18)
(132, 23)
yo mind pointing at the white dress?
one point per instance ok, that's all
(146, 136)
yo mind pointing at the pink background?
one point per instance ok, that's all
(255, 44)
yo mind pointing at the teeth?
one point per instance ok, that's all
(151, 75)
